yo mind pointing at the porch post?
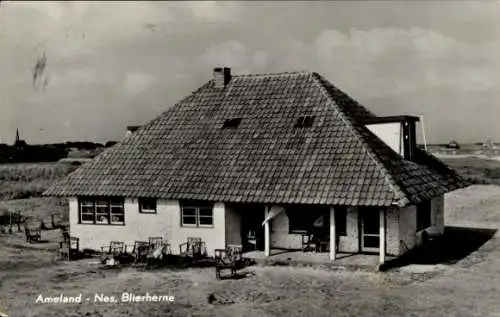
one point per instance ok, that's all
(382, 236)
(333, 241)
(267, 234)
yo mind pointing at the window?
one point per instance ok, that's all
(310, 219)
(197, 215)
(147, 205)
(231, 123)
(300, 220)
(423, 215)
(102, 211)
(304, 122)
(305, 219)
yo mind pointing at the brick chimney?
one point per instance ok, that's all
(222, 76)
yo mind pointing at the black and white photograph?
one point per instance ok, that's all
(249, 158)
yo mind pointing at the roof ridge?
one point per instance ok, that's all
(298, 72)
(371, 154)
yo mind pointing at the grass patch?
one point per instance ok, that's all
(477, 170)
(19, 181)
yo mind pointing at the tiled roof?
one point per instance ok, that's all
(186, 154)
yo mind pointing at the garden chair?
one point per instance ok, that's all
(115, 248)
(69, 247)
(308, 242)
(139, 251)
(194, 248)
(229, 258)
(252, 239)
(32, 234)
(155, 241)
(65, 235)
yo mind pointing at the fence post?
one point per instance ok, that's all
(19, 221)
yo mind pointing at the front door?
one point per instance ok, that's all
(370, 226)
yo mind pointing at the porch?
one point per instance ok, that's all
(300, 258)
(334, 235)
(341, 234)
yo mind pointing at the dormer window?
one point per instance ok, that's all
(231, 123)
(304, 122)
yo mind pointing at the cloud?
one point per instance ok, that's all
(75, 77)
(260, 59)
(231, 53)
(237, 55)
(136, 83)
(382, 61)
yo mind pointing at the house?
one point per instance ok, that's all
(275, 155)
(131, 129)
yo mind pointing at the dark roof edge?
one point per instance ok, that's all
(391, 119)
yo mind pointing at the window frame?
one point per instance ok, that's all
(197, 216)
(148, 211)
(107, 203)
(424, 209)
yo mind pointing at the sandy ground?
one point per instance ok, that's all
(470, 287)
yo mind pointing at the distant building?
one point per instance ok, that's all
(453, 145)
(21, 151)
(131, 129)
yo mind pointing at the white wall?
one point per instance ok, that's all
(137, 226)
(390, 133)
(280, 236)
(350, 242)
(392, 218)
(214, 237)
(437, 214)
(407, 228)
(408, 223)
(165, 223)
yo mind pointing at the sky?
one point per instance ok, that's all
(113, 64)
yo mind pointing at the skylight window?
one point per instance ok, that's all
(231, 123)
(304, 122)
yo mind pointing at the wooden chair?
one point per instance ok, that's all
(167, 250)
(323, 242)
(252, 239)
(114, 248)
(229, 258)
(68, 248)
(140, 251)
(32, 234)
(308, 243)
(155, 241)
(194, 247)
(65, 235)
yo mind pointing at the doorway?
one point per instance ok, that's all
(252, 230)
(369, 230)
